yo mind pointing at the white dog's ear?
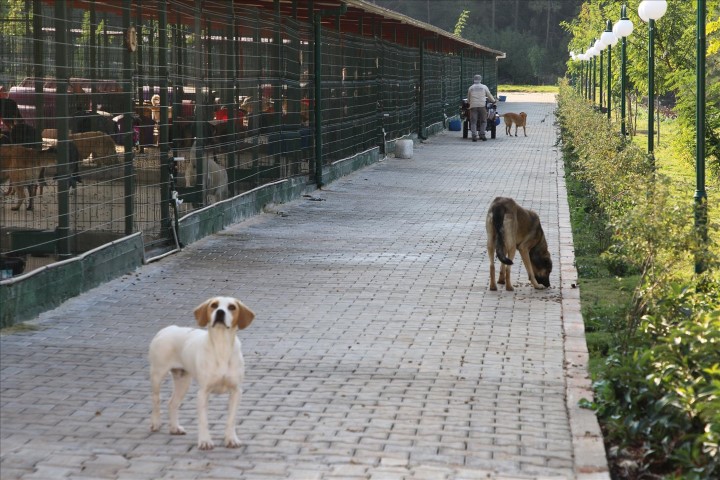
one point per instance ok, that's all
(202, 313)
(243, 316)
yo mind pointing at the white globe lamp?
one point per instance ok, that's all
(609, 38)
(652, 9)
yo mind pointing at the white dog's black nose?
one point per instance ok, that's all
(219, 317)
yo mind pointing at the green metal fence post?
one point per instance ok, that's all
(127, 126)
(232, 106)
(141, 73)
(164, 127)
(421, 92)
(317, 27)
(38, 55)
(93, 58)
(200, 89)
(61, 112)
(318, 88)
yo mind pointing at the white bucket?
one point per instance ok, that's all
(404, 149)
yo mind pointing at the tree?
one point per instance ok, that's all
(514, 28)
(462, 21)
(675, 61)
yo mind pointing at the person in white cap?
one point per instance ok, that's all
(477, 97)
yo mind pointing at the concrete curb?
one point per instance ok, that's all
(588, 446)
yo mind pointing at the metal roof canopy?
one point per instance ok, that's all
(361, 18)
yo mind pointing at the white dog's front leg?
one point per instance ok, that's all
(231, 439)
(204, 440)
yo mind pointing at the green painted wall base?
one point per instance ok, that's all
(434, 129)
(25, 296)
(218, 216)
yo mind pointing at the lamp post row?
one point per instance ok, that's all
(650, 11)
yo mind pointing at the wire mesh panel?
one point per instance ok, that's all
(119, 117)
(399, 84)
(452, 86)
(63, 153)
(349, 95)
(433, 90)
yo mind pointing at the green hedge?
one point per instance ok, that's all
(658, 395)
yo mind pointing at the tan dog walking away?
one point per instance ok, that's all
(519, 119)
(510, 227)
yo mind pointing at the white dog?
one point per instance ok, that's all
(215, 178)
(212, 357)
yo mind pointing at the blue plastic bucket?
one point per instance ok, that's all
(455, 125)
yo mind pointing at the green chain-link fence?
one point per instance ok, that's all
(135, 100)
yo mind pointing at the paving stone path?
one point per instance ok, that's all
(377, 351)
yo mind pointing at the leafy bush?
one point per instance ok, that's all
(660, 403)
(658, 394)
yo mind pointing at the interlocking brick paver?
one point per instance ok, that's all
(377, 350)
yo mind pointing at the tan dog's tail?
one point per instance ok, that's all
(498, 219)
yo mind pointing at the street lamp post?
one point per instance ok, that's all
(594, 72)
(588, 73)
(700, 193)
(649, 11)
(583, 74)
(622, 29)
(591, 52)
(609, 39)
(588, 76)
(599, 47)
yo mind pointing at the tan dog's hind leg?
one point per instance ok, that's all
(510, 249)
(491, 257)
(507, 282)
(525, 254)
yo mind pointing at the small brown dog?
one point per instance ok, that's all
(519, 119)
